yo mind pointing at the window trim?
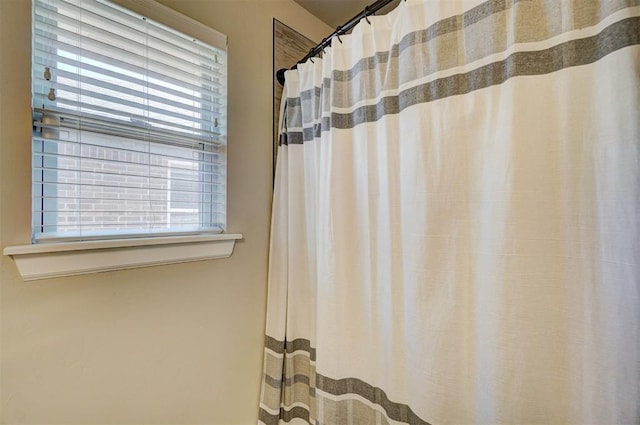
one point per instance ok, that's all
(49, 260)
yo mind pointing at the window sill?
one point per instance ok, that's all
(47, 260)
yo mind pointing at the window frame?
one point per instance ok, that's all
(64, 219)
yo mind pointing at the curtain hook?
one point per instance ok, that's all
(366, 15)
(338, 34)
(323, 44)
(311, 55)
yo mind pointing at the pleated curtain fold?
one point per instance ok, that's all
(456, 220)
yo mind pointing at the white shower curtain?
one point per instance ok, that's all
(456, 220)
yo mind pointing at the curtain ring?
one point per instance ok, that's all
(323, 44)
(366, 15)
(338, 34)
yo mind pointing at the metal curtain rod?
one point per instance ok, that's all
(341, 30)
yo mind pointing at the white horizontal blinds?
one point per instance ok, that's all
(129, 124)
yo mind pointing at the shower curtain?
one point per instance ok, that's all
(456, 220)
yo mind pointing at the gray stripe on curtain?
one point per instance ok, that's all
(301, 387)
(488, 21)
(281, 347)
(395, 411)
(296, 379)
(286, 415)
(578, 52)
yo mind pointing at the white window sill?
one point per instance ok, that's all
(47, 260)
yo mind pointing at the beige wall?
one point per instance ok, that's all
(179, 344)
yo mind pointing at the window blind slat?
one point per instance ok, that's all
(138, 107)
(191, 60)
(158, 158)
(127, 62)
(169, 96)
(90, 113)
(164, 225)
(149, 177)
(119, 19)
(108, 200)
(134, 51)
(134, 130)
(183, 97)
(210, 158)
(56, 186)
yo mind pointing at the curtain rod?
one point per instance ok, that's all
(341, 30)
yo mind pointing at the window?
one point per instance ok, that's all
(129, 125)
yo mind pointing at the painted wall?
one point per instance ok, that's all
(178, 344)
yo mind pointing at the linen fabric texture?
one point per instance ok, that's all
(456, 220)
